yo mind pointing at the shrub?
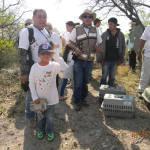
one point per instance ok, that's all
(8, 54)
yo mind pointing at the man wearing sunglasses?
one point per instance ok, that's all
(85, 40)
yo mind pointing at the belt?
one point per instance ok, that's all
(90, 57)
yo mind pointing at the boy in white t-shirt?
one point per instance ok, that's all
(42, 83)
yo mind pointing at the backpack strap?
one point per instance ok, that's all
(31, 36)
(31, 41)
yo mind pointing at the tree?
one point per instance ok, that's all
(128, 8)
(10, 16)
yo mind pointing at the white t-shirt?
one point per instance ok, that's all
(73, 36)
(42, 82)
(55, 38)
(66, 36)
(146, 37)
(41, 37)
(99, 30)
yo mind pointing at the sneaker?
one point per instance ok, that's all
(40, 135)
(50, 137)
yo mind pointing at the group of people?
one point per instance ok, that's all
(43, 64)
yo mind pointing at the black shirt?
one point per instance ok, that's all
(112, 47)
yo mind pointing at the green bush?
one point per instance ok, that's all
(8, 53)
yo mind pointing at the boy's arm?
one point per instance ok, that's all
(32, 85)
(62, 63)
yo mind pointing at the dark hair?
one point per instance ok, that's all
(96, 21)
(113, 20)
(70, 23)
(37, 10)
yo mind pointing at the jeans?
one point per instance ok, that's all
(45, 120)
(28, 113)
(63, 86)
(108, 71)
(82, 71)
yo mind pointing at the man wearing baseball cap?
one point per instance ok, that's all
(113, 51)
(84, 40)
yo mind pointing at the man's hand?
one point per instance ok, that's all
(37, 101)
(24, 79)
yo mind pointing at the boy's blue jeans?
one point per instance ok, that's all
(28, 113)
(45, 120)
(108, 72)
(82, 72)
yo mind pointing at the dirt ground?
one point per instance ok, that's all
(84, 130)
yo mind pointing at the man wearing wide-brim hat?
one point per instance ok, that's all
(84, 40)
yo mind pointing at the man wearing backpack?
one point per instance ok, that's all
(29, 40)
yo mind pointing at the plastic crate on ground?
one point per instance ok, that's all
(118, 106)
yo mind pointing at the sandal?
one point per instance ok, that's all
(40, 135)
(50, 137)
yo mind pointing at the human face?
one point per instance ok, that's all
(112, 26)
(98, 24)
(40, 19)
(87, 19)
(69, 28)
(45, 58)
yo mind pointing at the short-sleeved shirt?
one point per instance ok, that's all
(73, 36)
(41, 37)
(146, 37)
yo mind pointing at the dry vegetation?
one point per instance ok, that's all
(87, 129)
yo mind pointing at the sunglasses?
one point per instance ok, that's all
(87, 17)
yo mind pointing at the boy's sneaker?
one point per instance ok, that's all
(40, 135)
(50, 137)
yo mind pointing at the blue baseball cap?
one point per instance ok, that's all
(46, 48)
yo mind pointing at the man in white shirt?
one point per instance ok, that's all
(29, 41)
(84, 40)
(145, 73)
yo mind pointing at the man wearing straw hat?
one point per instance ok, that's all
(85, 41)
